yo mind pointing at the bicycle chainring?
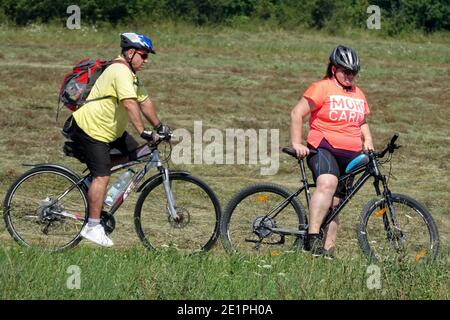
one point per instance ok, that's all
(108, 222)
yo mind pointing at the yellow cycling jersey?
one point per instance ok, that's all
(106, 119)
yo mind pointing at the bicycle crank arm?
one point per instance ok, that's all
(69, 215)
(259, 242)
(287, 232)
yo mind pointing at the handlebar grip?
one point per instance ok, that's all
(394, 138)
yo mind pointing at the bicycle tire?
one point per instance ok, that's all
(422, 243)
(26, 202)
(199, 226)
(267, 192)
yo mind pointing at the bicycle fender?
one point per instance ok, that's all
(54, 166)
(158, 175)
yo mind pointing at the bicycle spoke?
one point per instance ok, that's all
(36, 219)
(253, 222)
(409, 239)
(195, 228)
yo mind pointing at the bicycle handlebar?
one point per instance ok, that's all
(391, 146)
(161, 138)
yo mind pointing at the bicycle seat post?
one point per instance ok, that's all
(304, 180)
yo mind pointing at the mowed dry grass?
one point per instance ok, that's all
(235, 79)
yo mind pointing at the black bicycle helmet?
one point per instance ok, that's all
(345, 57)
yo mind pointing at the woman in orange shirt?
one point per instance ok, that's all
(338, 131)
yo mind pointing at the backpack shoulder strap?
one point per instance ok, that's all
(106, 66)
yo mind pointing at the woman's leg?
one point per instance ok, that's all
(332, 229)
(321, 201)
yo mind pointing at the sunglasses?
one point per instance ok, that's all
(143, 55)
(349, 72)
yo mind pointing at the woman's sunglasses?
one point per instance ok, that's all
(349, 72)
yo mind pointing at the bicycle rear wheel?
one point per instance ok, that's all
(415, 237)
(244, 228)
(198, 209)
(45, 208)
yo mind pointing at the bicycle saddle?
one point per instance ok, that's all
(291, 151)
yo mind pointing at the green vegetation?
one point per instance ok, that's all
(230, 78)
(398, 16)
(138, 274)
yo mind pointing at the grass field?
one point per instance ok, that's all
(242, 80)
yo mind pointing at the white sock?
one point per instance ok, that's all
(93, 222)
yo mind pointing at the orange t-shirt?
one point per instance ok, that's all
(338, 115)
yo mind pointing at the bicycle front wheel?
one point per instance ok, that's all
(248, 224)
(45, 208)
(196, 205)
(414, 236)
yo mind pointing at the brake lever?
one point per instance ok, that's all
(394, 147)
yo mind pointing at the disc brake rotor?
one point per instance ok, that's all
(183, 219)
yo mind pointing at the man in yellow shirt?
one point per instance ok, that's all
(116, 97)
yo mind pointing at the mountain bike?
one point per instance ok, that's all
(48, 205)
(391, 225)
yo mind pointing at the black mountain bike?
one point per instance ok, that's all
(47, 206)
(391, 225)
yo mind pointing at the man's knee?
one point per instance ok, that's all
(101, 180)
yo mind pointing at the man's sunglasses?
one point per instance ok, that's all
(143, 55)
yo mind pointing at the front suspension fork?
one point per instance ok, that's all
(386, 208)
(171, 205)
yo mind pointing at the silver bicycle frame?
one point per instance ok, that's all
(153, 162)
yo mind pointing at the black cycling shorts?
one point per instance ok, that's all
(329, 160)
(97, 153)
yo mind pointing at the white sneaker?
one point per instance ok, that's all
(97, 235)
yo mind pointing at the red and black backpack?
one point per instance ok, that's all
(77, 84)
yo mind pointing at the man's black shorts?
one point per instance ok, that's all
(97, 153)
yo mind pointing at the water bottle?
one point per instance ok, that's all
(118, 187)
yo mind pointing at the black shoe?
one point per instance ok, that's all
(318, 251)
(329, 254)
(313, 244)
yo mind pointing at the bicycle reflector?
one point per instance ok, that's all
(420, 255)
(262, 198)
(380, 213)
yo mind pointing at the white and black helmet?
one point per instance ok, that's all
(137, 41)
(345, 57)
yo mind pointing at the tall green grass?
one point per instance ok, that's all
(136, 273)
